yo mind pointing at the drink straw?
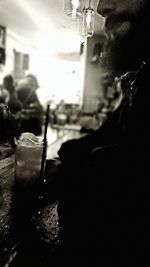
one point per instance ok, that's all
(45, 144)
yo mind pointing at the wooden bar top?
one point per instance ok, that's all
(7, 166)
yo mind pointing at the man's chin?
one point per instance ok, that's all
(121, 56)
(119, 31)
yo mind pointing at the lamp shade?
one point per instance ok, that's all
(88, 22)
(73, 8)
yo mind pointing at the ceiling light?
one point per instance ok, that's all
(73, 8)
(76, 9)
(88, 21)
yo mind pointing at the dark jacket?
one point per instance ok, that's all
(104, 206)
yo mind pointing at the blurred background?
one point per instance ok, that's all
(48, 57)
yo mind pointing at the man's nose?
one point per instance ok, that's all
(105, 7)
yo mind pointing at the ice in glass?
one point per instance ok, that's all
(28, 157)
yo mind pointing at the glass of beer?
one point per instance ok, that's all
(28, 159)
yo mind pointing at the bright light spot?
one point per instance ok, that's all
(59, 80)
(88, 19)
(75, 5)
(57, 42)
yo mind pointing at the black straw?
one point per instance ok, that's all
(45, 144)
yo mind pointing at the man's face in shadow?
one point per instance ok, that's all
(127, 24)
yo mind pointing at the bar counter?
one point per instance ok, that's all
(28, 235)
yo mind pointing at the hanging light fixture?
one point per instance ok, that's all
(76, 9)
(88, 21)
(73, 8)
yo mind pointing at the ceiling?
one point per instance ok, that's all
(42, 23)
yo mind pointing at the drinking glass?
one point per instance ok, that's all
(28, 160)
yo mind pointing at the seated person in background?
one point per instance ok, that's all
(14, 104)
(26, 90)
(32, 109)
(4, 95)
(8, 129)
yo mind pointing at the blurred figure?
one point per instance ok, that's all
(8, 126)
(32, 109)
(26, 90)
(4, 95)
(11, 98)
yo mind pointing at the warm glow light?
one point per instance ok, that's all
(75, 5)
(88, 22)
(77, 8)
(59, 80)
(88, 19)
(73, 8)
